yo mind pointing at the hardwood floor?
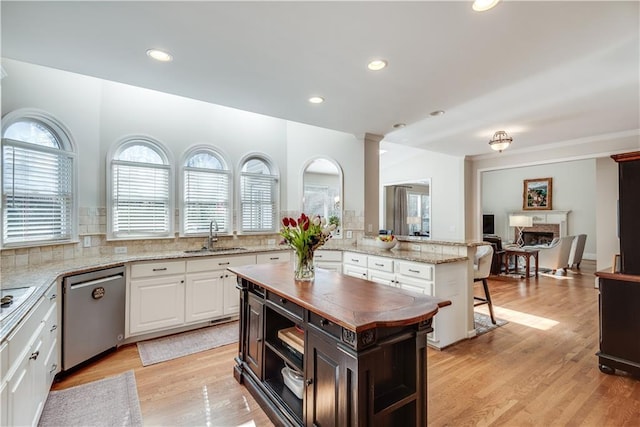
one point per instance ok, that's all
(539, 369)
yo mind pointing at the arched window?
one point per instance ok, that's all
(258, 195)
(38, 180)
(206, 192)
(140, 196)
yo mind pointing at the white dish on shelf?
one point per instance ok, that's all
(293, 380)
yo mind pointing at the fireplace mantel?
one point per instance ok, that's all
(547, 217)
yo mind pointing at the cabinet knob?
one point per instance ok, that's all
(309, 381)
(52, 297)
(283, 301)
(324, 322)
(34, 355)
(53, 368)
(53, 328)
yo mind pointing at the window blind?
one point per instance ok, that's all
(258, 206)
(206, 197)
(140, 199)
(37, 193)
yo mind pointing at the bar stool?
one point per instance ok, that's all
(481, 270)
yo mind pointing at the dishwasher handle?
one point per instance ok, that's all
(96, 282)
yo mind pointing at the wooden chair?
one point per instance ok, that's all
(481, 270)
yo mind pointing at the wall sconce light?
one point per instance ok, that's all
(519, 222)
(500, 141)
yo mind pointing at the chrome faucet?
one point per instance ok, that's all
(212, 239)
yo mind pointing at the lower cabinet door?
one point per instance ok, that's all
(255, 334)
(328, 384)
(204, 295)
(25, 397)
(156, 303)
(231, 294)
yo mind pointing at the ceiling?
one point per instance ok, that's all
(546, 72)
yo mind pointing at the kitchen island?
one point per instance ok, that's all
(336, 351)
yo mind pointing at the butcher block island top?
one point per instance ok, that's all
(355, 304)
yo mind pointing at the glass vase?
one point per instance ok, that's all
(303, 265)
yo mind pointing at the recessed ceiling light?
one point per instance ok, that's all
(316, 100)
(399, 125)
(377, 64)
(159, 55)
(436, 113)
(483, 5)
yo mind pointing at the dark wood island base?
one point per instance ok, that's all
(357, 349)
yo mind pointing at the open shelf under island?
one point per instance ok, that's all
(363, 358)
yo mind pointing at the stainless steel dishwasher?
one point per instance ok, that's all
(93, 314)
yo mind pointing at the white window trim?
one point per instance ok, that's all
(69, 146)
(115, 150)
(275, 172)
(181, 207)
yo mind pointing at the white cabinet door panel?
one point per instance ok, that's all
(157, 303)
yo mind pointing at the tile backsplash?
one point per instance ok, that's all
(93, 224)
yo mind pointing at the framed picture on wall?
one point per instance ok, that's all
(537, 194)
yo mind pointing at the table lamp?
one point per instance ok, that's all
(520, 222)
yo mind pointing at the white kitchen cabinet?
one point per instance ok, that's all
(328, 259)
(380, 270)
(204, 296)
(26, 362)
(231, 305)
(157, 296)
(355, 265)
(447, 281)
(273, 257)
(209, 280)
(174, 293)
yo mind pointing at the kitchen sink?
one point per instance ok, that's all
(220, 249)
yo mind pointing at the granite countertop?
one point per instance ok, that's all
(43, 275)
(417, 256)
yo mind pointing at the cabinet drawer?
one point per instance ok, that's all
(324, 255)
(325, 325)
(286, 305)
(355, 259)
(218, 263)
(50, 325)
(161, 268)
(273, 257)
(380, 263)
(413, 269)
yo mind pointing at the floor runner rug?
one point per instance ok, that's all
(186, 343)
(111, 401)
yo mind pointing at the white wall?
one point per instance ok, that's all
(71, 98)
(306, 142)
(606, 211)
(447, 186)
(596, 147)
(99, 113)
(573, 190)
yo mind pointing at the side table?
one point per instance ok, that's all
(527, 254)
